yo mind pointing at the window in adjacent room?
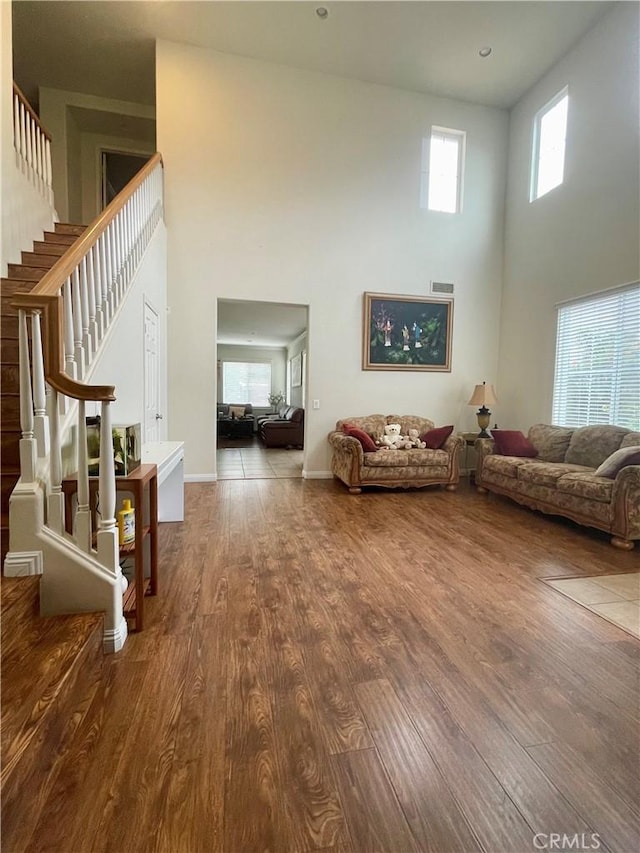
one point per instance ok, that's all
(597, 378)
(246, 382)
(549, 135)
(442, 180)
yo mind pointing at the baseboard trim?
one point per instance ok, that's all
(200, 478)
(22, 564)
(316, 475)
(114, 639)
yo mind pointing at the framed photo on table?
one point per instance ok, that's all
(406, 332)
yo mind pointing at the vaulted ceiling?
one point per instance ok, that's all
(107, 48)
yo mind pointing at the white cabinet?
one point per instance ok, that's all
(169, 458)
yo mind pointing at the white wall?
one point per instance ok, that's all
(122, 359)
(583, 236)
(304, 188)
(24, 213)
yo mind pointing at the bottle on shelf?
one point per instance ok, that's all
(127, 523)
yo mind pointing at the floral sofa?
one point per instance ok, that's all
(561, 479)
(392, 468)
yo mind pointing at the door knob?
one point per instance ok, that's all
(158, 417)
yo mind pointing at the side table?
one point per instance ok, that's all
(140, 483)
(469, 458)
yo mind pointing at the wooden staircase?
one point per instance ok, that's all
(22, 278)
(50, 673)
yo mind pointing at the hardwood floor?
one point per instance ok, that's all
(383, 672)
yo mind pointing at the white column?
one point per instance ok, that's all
(82, 525)
(107, 538)
(41, 420)
(27, 442)
(55, 501)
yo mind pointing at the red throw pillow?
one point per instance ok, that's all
(368, 444)
(435, 438)
(511, 442)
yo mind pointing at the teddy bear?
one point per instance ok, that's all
(391, 438)
(414, 437)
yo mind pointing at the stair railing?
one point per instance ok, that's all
(32, 144)
(70, 311)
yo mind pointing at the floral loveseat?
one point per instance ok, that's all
(393, 468)
(561, 479)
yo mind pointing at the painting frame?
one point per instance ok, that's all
(296, 371)
(402, 332)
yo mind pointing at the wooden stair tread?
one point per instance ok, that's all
(48, 247)
(39, 668)
(40, 260)
(25, 271)
(69, 228)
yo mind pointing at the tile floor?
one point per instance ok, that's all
(614, 597)
(255, 462)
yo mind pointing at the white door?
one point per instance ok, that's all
(152, 413)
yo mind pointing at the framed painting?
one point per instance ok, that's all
(296, 370)
(406, 332)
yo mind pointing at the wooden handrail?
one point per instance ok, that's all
(30, 110)
(46, 296)
(52, 281)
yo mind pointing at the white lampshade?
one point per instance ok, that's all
(483, 395)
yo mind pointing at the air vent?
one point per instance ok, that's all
(442, 287)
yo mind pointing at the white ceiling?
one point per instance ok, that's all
(259, 324)
(107, 48)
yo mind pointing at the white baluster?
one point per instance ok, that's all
(41, 420)
(23, 136)
(27, 442)
(91, 294)
(77, 324)
(104, 283)
(117, 224)
(97, 290)
(128, 242)
(39, 158)
(83, 514)
(32, 149)
(84, 307)
(55, 501)
(69, 356)
(113, 296)
(48, 171)
(16, 128)
(107, 537)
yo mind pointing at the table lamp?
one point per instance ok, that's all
(482, 395)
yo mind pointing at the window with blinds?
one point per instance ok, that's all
(246, 382)
(597, 378)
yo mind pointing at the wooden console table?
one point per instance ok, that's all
(144, 480)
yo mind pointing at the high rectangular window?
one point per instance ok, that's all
(246, 382)
(549, 136)
(444, 177)
(597, 376)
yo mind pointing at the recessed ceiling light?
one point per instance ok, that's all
(484, 52)
(322, 12)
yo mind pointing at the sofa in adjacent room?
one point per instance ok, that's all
(413, 468)
(287, 431)
(588, 474)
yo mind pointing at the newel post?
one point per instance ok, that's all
(107, 537)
